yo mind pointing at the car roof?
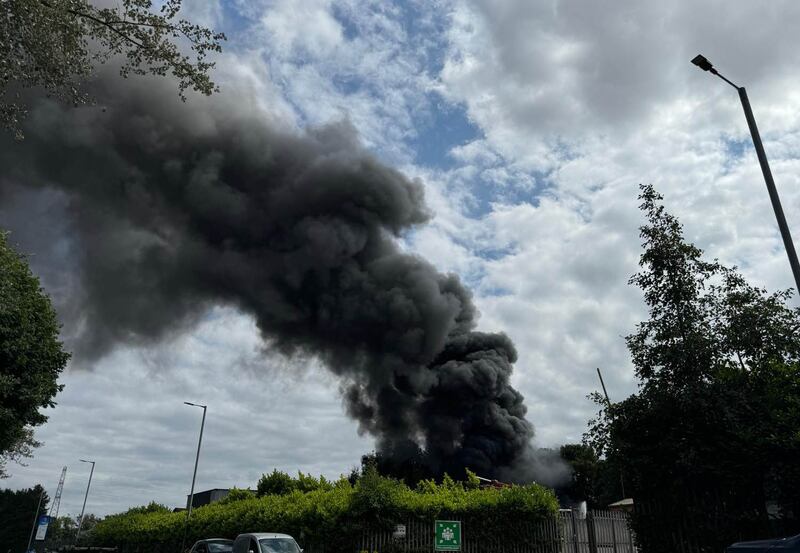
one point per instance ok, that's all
(262, 535)
(214, 540)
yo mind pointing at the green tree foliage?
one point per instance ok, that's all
(56, 44)
(409, 466)
(237, 494)
(585, 466)
(309, 483)
(592, 479)
(712, 433)
(90, 522)
(31, 356)
(275, 483)
(152, 507)
(334, 516)
(17, 513)
(62, 532)
(472, 482)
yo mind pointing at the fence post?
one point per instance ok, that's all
(590, 532)
(574, 531)
(614, 534)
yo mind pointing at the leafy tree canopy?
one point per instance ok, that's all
(56, 44)
(715, 420)
(31, 355)
(275, 483)
(17, 512)
(237, 494)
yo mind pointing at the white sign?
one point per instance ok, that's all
(399, 531)
(41, 527)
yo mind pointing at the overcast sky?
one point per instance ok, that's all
(531, 125)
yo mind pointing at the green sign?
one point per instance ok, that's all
(447, 535)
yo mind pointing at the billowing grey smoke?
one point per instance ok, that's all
(174, 208)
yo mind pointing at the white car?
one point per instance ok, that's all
(265, 543)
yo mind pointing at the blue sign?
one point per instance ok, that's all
(41, 527)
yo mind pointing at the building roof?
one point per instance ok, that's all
(627, 502)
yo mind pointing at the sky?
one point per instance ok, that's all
(530, 125)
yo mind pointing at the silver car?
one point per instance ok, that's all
(265, 543)
(212, 545)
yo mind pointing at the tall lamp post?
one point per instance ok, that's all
(197, 457)
(85, 497)
(194, 476)
(706, 65)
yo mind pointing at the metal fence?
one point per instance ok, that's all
(598, 532)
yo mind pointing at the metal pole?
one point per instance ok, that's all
(196, 461)
(194, 476)
(603, 384)
(85, 497)
(35, 518)
(608, 404)
(773, 192)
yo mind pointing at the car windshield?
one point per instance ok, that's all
(278, 545)
(220, 547)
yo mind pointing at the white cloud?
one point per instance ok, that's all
(127, 415)
(576, 104)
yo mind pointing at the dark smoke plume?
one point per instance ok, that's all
(171, 209)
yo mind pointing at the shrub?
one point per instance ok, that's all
(334, 515)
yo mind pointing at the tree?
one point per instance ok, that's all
(62, 532)
(711, 435)
(17, 513)
(275, 483)
(87, 527)
(592, 479)
(584, 463)
(31, 355)
(152, 507)
(56, 44)
(236, 494)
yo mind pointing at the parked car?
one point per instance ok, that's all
(783, 545)
(212, 545)
(265, 543)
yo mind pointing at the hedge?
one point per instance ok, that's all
(334, 517)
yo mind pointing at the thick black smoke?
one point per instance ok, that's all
(174, 208)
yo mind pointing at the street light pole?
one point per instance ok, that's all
(197, 457)
(788, 244)
(194, 476)
(85, 497)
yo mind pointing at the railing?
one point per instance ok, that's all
(599, 532)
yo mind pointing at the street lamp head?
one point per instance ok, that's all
(701, 62)
(85, 461)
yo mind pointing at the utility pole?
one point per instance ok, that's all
(701, 62)
(85, 497)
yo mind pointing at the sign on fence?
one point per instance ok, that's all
(447, 535)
